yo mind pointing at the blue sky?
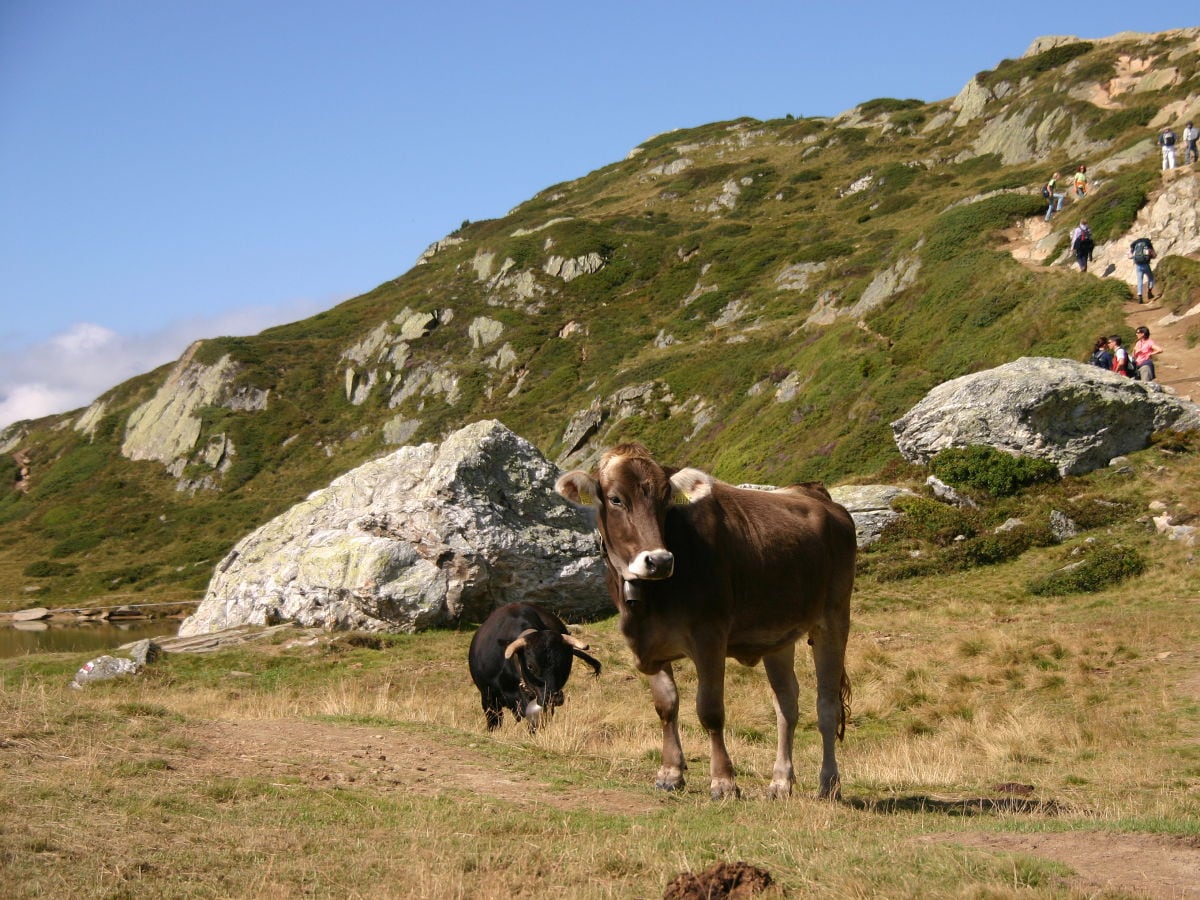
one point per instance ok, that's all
(172, 170)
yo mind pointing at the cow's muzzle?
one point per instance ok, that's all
(653, 565)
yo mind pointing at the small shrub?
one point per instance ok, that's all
(888, 105)
(990, 549)
(1114, 125)
(804, 176)
(44, 568)
(1102, 568)
(929, 520)
(986, 469)
(1176, 441)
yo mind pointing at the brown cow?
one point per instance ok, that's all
(702, 569)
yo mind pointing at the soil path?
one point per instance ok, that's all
(383, 760)
(1178, 366)
(1144, 865)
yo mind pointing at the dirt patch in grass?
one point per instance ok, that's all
(1145, 865)
(324, 754)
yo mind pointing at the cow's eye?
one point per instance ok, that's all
(614, 500)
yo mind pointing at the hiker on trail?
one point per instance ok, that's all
(1144, 351)
(1166, 140)
(1081, 181)
(1121, 363)
(1100, 355)
(1141, 252)
(1190, 155)
(1082, 244)
(1049, 191)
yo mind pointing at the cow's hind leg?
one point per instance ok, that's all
(785, 692)
(833, 701)
(666, 704)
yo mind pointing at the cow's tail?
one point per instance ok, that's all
(847, 696)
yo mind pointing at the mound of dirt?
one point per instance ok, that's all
(722, 880)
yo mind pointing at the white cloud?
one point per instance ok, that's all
(72, 368)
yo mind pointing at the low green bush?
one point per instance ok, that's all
(1102, 567)
(990, 470)
(1014, 70)
(888, 105)
(44, 568)
(929, 520)
(1117, 123)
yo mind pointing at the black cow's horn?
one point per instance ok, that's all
(519, 643)
(572, 641)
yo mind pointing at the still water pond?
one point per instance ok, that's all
(92, 637)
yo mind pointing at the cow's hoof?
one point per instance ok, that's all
(721, 789)
(832, 791)
(779, 790)
(669, 779)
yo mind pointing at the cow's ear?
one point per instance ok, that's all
(579, 488)
(690, 485)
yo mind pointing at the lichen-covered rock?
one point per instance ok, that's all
(167, 426)
(1074, 415)
(429, 535)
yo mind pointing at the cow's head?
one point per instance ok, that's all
(544, 660)
(630, 495)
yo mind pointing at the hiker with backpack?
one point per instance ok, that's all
(1141, 252)
(1051, 195)
(1166, 140)
(1081, 181)
(1100, 355)
(1144, 351)
(1190, 154)
(1082, 244)
(1122, 364)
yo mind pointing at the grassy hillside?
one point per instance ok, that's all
(699, 233)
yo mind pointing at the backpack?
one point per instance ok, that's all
(1045, 192)
(1130, 366)
(1142, 251)
(1084, 245)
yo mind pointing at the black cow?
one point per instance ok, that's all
(520, 659)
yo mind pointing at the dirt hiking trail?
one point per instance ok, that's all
(1178, 366)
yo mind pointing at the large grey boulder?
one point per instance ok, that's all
(429, 535)
(1075, 415)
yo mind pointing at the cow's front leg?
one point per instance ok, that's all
(785, 692)
(710, 707)
(666, 704)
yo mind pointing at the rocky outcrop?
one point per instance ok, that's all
(437, 247)
(893, 280)
(570, 269)
(86, 423)
(1074, 415)
(429, 535)
(167, 427)
(383, 353)
(583, 439)
(1171, 219)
